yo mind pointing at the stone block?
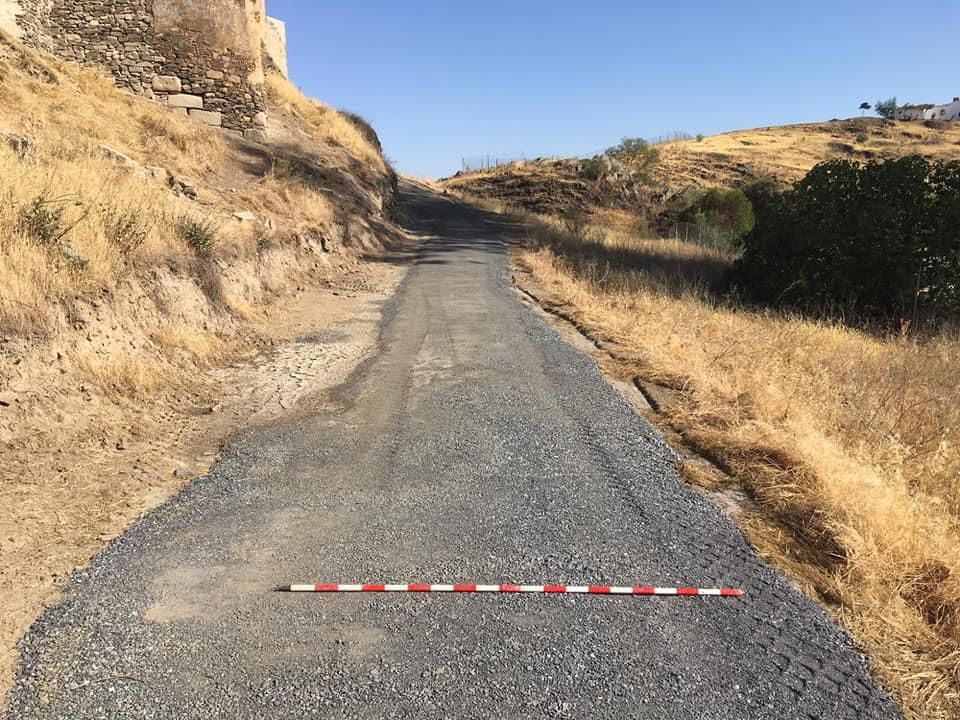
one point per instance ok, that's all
(116, 156)
(209, 118)
(167, 84)
(185, 101)
(157, 173)
(255, 135)
(181, 111)
(214, 75)
(260, 119)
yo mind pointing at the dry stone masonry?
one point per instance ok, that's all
(202, 58)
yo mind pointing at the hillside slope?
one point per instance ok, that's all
(140, 252)
(784, 154)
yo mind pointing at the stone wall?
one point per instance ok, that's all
(203, 58)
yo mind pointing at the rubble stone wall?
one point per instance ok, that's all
(203, 58)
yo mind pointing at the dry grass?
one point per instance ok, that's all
(784, 154)
(114, 219)
(122, 374)
(849, 444)
(329, 125)
(120, 222)
(66, 196)
(789, 152)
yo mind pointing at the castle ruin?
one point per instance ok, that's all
(202, 58)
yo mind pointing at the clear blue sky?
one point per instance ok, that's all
(441, 80)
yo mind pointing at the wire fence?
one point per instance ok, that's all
(488, 162)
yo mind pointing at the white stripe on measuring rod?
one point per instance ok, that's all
(640, 590)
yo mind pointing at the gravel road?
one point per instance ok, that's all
(476, 447)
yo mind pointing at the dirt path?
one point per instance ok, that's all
(475, 446)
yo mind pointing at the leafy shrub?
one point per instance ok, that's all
(200, 235)
(877, 239)
(639, 155)
(862, 137)
(722, 216)
(699, 137)
(591, 168)
(42, 220)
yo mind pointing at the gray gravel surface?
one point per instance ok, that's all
(475, 447)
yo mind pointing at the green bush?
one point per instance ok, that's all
(591, 168)
(639, 155)
(722, 215)
(862, 137)
(876, 239)
(200, 235)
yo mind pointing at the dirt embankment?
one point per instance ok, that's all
(162, 284)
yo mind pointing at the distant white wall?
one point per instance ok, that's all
(9, 9)
(275, 44)
(950, 111)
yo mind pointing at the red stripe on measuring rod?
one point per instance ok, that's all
(510, 588)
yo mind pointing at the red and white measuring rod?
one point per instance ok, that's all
(548, 589)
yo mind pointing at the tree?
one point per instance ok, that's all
(864, 106)
(723, 215)
(886, 108)
(638, 155)
(879, 239)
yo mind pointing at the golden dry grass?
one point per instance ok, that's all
(329, 126)
(849, 444)
(68, 113)
(789, 152)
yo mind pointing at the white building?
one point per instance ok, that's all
(950, 111)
